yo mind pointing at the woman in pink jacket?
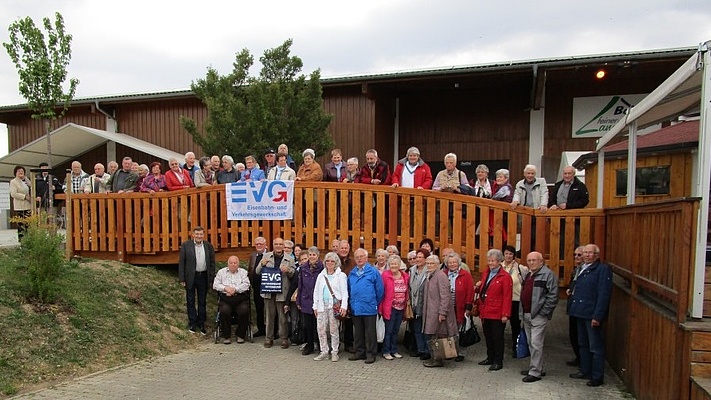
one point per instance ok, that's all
(392, 308)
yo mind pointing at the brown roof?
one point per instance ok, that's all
(679, 134)
(674, 138)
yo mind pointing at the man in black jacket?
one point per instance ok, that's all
(568, 193)
(196, 267)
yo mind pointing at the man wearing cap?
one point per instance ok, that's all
(269, 161)
(42, 182)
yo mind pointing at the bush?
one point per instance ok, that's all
(42, 252)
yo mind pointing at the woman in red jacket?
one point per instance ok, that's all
(177, 178)
(412, 171)
(495, 292)
(462, 284)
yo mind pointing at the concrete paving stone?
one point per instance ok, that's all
(212, 370)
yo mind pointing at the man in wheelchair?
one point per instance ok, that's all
(232, 284)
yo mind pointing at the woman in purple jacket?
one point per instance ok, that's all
(308, 274)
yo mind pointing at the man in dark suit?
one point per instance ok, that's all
(260, 248)
(196, 266)
(590, 303)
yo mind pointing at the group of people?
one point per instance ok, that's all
(341, 296)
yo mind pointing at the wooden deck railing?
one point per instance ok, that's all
(654, 250)
(149, 228)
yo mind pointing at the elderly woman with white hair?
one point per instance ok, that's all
(449, 179)
(228, 173)
(331, 286)
(495, 294)
(502, 189)
(438, 316)
(482, 185)
(310, 170)
(412, 171)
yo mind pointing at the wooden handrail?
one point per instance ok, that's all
(146, 226)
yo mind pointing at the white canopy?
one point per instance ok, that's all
(687, 89)
(72, 140)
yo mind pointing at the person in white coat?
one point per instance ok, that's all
(326, 320)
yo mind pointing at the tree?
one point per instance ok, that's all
(247, 114)
(42, 63)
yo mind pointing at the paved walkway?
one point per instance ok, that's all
(217, 371)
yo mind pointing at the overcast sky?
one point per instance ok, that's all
(146, 46)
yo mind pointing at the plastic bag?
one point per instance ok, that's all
(380, 328)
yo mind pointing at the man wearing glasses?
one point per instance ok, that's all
(539, 296)
(572, 321)
(260, 248)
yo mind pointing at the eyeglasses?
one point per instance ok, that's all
(412, 258)
(578, 255)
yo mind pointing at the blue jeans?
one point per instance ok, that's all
(592, 349)
(420, 337)
(392, 327)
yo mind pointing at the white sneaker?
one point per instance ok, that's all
(334, 357)
(321, 356)
(387, 356)
(397, 355)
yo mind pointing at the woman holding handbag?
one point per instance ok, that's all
(438, 316)
(392, 308)
(462, 288)
(330, 290)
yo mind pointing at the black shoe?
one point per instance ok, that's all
(573, 363)
(307, 350)
(485, 362)
(425, 356)
(414, 354)
(192, 329)
(525, 372)
(259, 334)
(356, 358)
(433, 363)
(203, 331)
(579, 375)
(351, 349)
(530, 378)
(458, 358)
(370, 360)
(594, 383)
(495, 367)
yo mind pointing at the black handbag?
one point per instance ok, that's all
(468, 334)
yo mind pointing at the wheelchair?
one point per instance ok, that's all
(249, 336)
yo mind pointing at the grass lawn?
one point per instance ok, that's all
(107, 314)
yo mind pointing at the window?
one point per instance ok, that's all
(649, 181)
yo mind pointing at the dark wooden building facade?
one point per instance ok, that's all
(509, 114)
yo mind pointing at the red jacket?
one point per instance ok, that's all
(496, 302)
(423, 175)
(381, 171)
(386, 306)
(172, 182)
(463, 294)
